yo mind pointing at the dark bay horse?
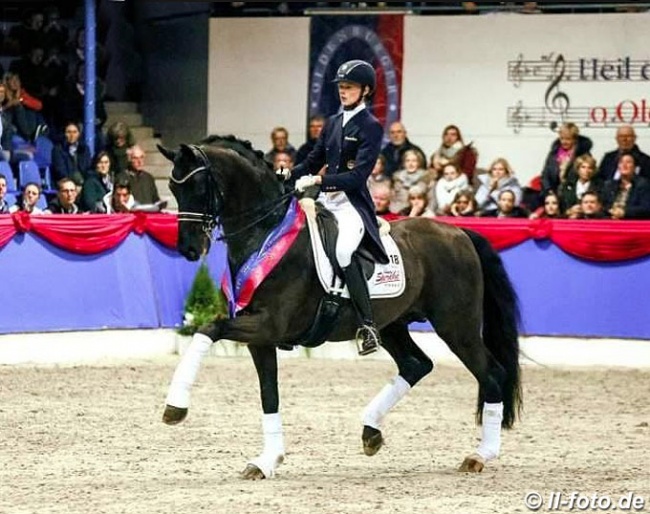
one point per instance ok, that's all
(455, 280)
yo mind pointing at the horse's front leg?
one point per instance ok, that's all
(265, 464)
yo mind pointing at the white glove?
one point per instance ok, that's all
(304, 182)
(283, 173)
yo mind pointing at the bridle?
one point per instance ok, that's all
(208, 218)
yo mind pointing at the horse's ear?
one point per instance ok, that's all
(187, 150)
(169, 154)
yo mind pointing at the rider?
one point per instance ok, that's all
(349, 145)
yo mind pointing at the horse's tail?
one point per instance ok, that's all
(501, 318)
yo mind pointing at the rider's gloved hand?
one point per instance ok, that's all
(305, 182)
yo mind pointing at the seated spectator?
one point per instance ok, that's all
(31, 70)
(280, 142)
(381, 197)
(316, 124)
(4, 206)
(55, 34)
(377, 175)
(507, 207)
(499, 178)
(464, 204)
(27, 33)
(572, 190)
(23, 108)
(71, 158)
(120, 200)
(453, 150)
(394, 151)
(119, 139)
(6, 128)
(626, 142)
(282, 161)
(559, 164)
(451, 182)
(589, 208)
(413, 173)
(142, 184)
(98, 184)
(66, 198)
(418, 200)
(28, 199)
(627, 197)
(551, 207)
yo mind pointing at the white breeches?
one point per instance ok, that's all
(351, 227)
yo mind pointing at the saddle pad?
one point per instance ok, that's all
(387, 281)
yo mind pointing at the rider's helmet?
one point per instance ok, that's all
(359, 72)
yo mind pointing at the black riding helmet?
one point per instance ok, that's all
(359, 72)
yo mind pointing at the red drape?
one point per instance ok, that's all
(593, 240)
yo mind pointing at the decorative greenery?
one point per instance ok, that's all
(204, 303)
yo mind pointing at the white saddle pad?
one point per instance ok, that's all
(387, 281)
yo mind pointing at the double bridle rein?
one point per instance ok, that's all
(208, 218)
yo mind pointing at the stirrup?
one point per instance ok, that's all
(367, 339)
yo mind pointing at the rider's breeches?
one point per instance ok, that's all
(351, 230)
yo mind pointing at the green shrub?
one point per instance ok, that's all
(204, 303)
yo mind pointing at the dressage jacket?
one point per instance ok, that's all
(350, 153)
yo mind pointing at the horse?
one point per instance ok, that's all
(454, 279)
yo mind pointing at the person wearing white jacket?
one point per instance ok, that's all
(451, 182)
(499, 178)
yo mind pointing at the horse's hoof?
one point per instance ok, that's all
(472, 464)
(252, 472)
(173, 415)
(372, 440)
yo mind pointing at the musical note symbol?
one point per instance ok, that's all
(517, 117)
(518, 70)
(557, 101)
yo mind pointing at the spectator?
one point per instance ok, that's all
(464, 204)
(413, 173)
(453, 150)
(590, 208)
(28, 199)
(31, 70)
(316, 124)
(572, 190)
(558, 167)
(282, 161)
(55, 76)
(142, 184)
(120, 200)
(418, 200)
(451, 182)
(28, 33)
(551, 207)
(280, 141)
(377, 175)
(4, 206)
(499, 178)
(6, 128)
(23, 108)
(627, 197)
(394, 151)
(54, 33)
(71, 158)
(381, 195)
(626, 142)
(119, 139)
(98, 184)
(507, 207)
(66, 198)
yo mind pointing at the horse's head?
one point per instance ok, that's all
(200, 201)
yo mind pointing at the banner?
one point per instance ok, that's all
(378, 40)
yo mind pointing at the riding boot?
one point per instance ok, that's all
(367, 336)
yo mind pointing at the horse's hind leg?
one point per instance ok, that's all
(412, 364)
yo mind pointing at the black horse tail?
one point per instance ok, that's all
(501, 317)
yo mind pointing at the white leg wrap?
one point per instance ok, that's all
(491, 431)
(387, 398)
(186, 371)
(273, 453)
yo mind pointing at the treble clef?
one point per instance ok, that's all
(555, 100)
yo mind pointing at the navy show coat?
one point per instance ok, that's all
(350, 153)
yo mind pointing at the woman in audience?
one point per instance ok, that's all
(119, 139)
(28, 199)
(507, 207)
(413, 173)
(453, 151)
(499, 178)
(23, 108)
(627, 197)
(98, 184)
(451, 182)
(377, 176)
(572, 190)
(418, 201)
(551, 207)
(559, 164)
(464, 204)
(71, 158)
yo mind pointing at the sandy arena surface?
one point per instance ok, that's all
(89, 440)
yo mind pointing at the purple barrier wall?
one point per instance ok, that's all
(141, 284)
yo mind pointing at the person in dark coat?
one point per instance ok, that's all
(626, 141)
(394, 151)
(98, 184)
(627, 197)
(316, 124)
(350, 144)
(559, 164)
(71, 158)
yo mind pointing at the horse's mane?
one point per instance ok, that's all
(242, 147)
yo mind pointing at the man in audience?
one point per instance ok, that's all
(280, 141)
(316, 124)
(142, 184)
(626, 141)
(120, 200)
(507, 207)
(66, 198)
(4, 206)
(394, 150)
(589, 208)
(282, 162)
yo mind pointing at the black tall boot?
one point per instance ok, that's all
(367, 336)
